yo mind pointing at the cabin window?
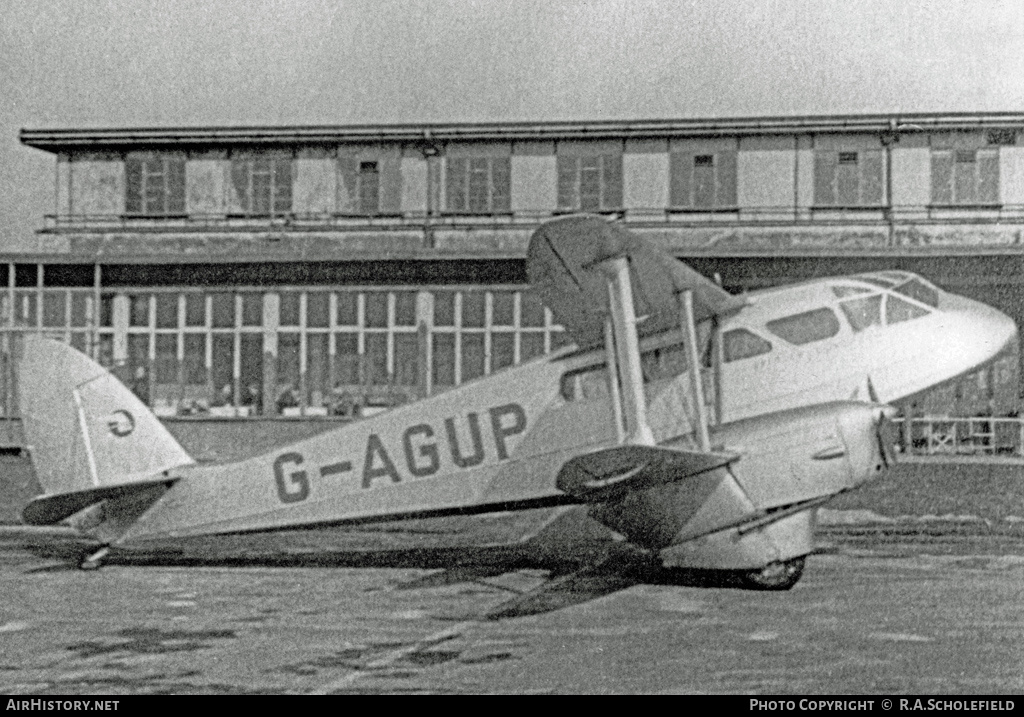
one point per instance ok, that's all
(585, 384)
(897, 310)
(806, 327)
(862, 313)
(739, 344)
(919, 291)
(663, 363)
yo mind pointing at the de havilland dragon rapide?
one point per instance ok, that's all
(703, 427)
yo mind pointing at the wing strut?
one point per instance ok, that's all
(690, 329)
(627, 348)
(613, 381)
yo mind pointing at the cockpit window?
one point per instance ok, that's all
(842, 292)
(804, 328)
(739, 344)
(917, 289)
(877, 281)
(862, 313)
(896, 276)
(897, 310)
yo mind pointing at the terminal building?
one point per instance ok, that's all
(329, 272)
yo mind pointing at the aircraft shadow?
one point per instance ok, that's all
(574, 577)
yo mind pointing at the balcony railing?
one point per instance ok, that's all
(709, 216)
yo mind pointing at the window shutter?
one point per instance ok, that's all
(704, 182)
(456, 169)
(479, 185)
(825, 164)
(680, 179)
(988, 176)
(348, 170)
(176, 186)
(871, 180)
(965, 177)
(501, 181)
(369, 188)
(942, 177)
(726, 173)
(611, 184)
(282, 186)
(568, 194)
(133, 186)
(240, 181)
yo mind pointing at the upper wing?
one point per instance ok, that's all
(562, 266)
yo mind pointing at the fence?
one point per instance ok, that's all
(949, 435)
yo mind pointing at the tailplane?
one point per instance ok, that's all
(89, 436)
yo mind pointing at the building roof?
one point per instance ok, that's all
(62, 140)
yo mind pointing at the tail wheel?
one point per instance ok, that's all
(775, 576)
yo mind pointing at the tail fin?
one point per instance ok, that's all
(87, 433)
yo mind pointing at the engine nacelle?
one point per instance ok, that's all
(759, 509)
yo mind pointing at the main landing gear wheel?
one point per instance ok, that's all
(775, 576)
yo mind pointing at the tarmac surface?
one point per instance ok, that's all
(883, 608)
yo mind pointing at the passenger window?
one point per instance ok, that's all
(662, 363)
(739, 344)
(897, 310)
(917, 289)
(862, 313)
(804, 328)
(585, 384)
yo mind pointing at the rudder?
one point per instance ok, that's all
(86, 432)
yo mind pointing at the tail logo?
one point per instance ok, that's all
(121, 423)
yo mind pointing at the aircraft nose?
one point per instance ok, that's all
(975, 333)
(990, 331)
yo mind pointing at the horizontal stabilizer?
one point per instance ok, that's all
(563, 267)
(612, 472)
(50, 509)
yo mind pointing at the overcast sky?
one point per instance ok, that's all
(130, 63)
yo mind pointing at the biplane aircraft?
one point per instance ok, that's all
(703, 427)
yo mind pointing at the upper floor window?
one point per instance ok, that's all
(703, 181)
(965, 176)
(590, 182)
(263, 184)
(848, 178)
(369, 188)
(155, 186)
(478, 185)
(362, 182)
